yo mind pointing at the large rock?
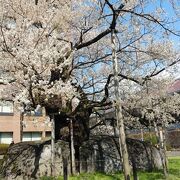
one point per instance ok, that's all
(101, 153)
(29, 160)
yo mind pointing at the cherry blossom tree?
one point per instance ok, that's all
(154, 108)
(57, 54)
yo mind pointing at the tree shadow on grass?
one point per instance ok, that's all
(113, 177)
(141, 175)
(99, 176)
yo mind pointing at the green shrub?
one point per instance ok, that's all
(169, 147)
(151, 138)
(3, 148)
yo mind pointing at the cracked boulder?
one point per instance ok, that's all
(28, 160)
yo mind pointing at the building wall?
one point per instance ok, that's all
(11, 123)
(36, 124)
(31, 124)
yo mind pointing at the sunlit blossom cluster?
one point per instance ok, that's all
(32, 49)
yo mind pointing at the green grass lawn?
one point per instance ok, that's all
(174, 166)
(174, 174)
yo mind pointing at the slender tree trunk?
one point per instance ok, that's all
(135, 176)
(77, 158)
(118, 146)
(65, 169)
(52, 146)
(73, 164)
(120, 122)
(162, 149)
(142, 135)
(165, 149)
(21, 126)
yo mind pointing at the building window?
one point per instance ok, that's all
(6, 107)
(6, 137)
(32, 136)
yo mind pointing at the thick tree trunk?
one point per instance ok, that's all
(120, 122)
